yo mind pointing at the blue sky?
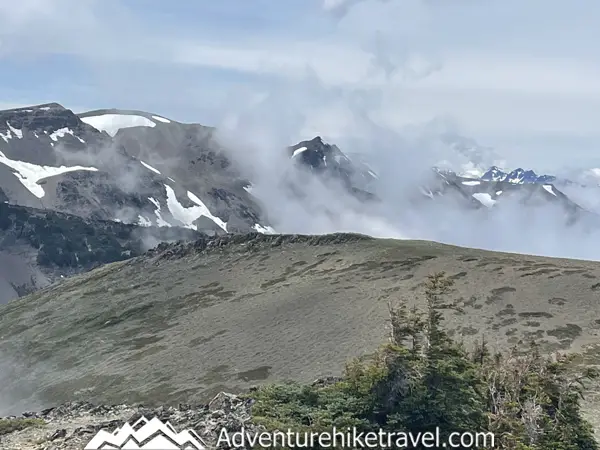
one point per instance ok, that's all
(522, 76)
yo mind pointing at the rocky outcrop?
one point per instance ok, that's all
(71, 426)
(248, 242)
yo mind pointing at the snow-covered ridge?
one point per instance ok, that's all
(112, 123)
(517, 176)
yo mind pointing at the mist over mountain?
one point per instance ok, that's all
(143, 169)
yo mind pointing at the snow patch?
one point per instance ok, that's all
(205, 211)
(187, 216)
(144, 222)
(148, 166)
(62, 132)
(264, 230)
(159, 220)
(10, 132)
(30, 174)
(248, 189)
(161, 119)
(484, 198)
(298, 151)
(17, 133)
(112, 123)
(548, 188)
(498, 192)
(471, 183)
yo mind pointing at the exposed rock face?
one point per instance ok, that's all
(250, 242)
(71, 426)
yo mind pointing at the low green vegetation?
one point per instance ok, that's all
(11, 425)
(422, 379)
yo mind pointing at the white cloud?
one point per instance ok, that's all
(498, 67)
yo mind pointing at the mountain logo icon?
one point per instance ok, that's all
(146, 434)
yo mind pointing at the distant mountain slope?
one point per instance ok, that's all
(189, 155)
(38, 247)
(50, 158)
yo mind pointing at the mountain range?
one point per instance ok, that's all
(517, 176)
(79, 190)
(153, 265)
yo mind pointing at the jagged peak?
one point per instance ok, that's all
(317, 141)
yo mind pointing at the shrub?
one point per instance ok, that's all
(8, 426)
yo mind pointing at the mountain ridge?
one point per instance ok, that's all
(270, 308)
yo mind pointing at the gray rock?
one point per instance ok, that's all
(72, 425)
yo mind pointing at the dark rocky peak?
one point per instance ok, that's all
(329, 161)
(517, 176)
(47, 119)
(317, 154)
(494, 173)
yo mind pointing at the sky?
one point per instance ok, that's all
(522, 77)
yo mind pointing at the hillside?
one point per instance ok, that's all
(185, 321)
